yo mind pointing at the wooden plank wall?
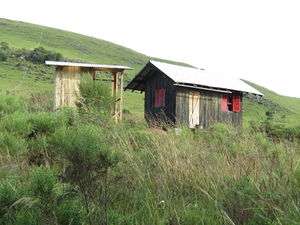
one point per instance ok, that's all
(158, 80)
(210, 109)
(182, 106)
(67, 85)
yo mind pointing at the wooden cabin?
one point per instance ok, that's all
(67, 80)
(188, 96)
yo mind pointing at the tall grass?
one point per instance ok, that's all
(222, 175)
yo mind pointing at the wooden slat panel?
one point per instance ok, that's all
(66, 86)
(194, 105)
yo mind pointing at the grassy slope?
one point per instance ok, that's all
(292, 104)
(71, 45)
(254, 111)
(74, 46)
(88, 49)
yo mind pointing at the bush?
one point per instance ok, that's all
(42, 183)
(29, 125)
(22, 53)
(8, 196)
(40, 55)
(69, 213)
(85, 150)
(11, 144)
(3, 56)
(28, 217)
(10, 104)
(94, 97)
(46, 122)
(4, 46)
(88, 160)
(17, 123)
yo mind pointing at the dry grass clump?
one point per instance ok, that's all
(226, 175)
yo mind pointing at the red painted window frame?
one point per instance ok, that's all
(160, 98)
(235, 104)
(224, 101)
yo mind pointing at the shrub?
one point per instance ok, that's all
(29, 125)
(69, 213)
(3, 56)
(28, 217)
(8, 196)
(10, 104)
(42, 183)
(85, 150)
(94, 97)
(4, 46)
(17, 124)
(40, 55)
(88, 160)
(11, 144)
(22, 53)
(46, 122)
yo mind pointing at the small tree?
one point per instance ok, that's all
(88, 160)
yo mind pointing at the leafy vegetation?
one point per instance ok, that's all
(78, 167)
(22, 77)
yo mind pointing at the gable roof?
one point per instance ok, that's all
(189, 77)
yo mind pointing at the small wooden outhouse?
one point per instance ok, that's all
(189, 96)
(67, 80)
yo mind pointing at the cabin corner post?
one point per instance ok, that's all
(121, 76)
(117, 93)
(56, 99)
(113, 92)
(93, 72)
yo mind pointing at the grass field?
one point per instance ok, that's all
(77, 167)
(22, 77)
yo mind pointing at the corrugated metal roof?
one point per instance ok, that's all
(56, 63)
(187, 75)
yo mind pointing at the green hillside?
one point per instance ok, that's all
(78, 167)
(22, 77)
(72, 45)
(27, 77)
(292, 104)
(285, 109)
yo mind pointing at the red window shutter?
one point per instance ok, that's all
(156, 98)
(162, 97)
(224, 103)
(159, 98)
(236, 103)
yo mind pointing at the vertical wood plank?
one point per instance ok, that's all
(121, 94)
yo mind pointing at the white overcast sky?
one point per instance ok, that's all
(257, 40)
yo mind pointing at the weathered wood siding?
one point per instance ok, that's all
(158, 80)
(67, 85)
(182, 106)
(210, 109)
